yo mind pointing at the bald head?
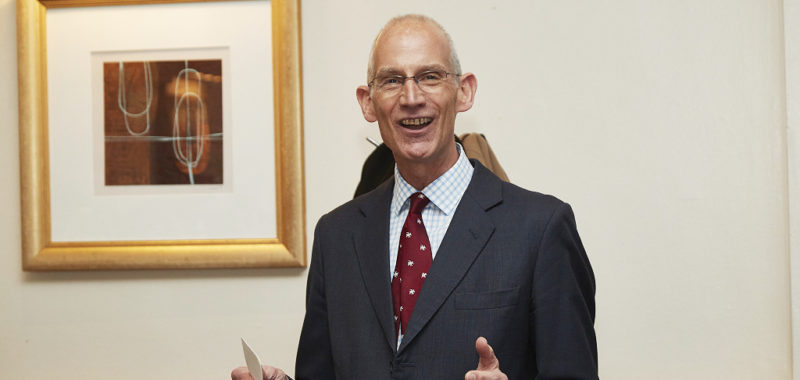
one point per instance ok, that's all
(407, 22)
(416, 122)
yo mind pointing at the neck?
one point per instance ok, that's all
(421, 174)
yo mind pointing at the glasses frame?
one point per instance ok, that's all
(416, 78)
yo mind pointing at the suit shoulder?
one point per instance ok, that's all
(516, 192)
(489, 190)
(359, 206)
(345, 211)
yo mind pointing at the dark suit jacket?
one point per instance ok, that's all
(511, 268)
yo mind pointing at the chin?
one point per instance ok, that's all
(416, 153)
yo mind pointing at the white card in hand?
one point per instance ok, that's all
(253, 363)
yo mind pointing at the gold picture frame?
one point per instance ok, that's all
(40, 253)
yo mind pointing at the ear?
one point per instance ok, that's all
(466, 92)
(365, 101)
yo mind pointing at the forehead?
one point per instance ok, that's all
(410, 46)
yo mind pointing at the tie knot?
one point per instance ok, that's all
(418, 202)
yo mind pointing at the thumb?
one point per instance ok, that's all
(487, 361)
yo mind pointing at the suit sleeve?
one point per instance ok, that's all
(562, 322)
(314, 356)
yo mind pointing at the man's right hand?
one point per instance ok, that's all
(267, 372)
(488, 365)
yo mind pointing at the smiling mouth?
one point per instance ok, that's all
(418, 122)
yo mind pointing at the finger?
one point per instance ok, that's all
(272, 373)
(241, 373)
(486, 359)
(471, 375)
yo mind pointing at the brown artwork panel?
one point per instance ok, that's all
(163, 122)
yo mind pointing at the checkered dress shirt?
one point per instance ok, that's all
(445, 193)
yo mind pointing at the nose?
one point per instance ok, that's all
(411, 94)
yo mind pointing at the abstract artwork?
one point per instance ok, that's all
(163, 122)
(109, 151)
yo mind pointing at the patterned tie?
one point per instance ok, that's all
(413, 262)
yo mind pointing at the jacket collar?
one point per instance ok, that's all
(465, 239)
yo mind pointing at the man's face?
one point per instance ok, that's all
(416, 124)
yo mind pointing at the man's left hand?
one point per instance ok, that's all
(488, 365)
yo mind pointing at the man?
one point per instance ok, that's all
(385, 301)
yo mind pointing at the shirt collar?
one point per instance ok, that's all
(440, 192)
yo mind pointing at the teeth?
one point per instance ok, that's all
(415, 122)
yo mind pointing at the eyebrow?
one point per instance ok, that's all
(391, 71)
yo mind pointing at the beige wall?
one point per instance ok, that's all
(791, 17)
(661, 122)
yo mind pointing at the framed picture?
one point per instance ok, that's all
(159, 135)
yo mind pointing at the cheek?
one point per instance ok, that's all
(382, 107)
(386, 134)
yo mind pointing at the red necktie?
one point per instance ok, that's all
(413, 262)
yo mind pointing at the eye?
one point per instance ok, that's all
(389, 80)
(430, 76)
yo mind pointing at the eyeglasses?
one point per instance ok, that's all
(428, 81)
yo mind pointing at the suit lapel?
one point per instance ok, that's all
(372, 247)
(468, 233)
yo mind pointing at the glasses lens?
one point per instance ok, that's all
(427, 81)
(389, 82)
(430, 77)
